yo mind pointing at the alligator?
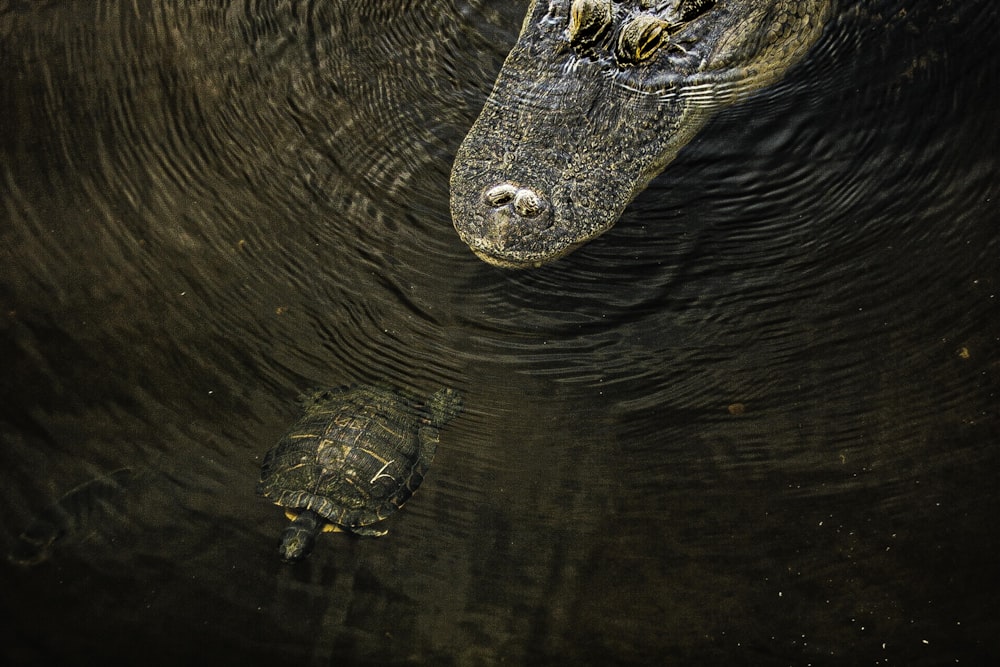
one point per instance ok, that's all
(595, 99)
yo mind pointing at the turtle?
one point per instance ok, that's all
(355, 456)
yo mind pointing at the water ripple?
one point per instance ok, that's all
(210, 207)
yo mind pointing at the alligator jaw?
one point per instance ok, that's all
(508, 260)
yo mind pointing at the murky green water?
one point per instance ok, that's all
(755, 423)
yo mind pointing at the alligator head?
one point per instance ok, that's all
(595, 99)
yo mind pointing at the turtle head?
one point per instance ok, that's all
(296, 544)
(299, 538)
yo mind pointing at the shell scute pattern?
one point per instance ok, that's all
(357, 454)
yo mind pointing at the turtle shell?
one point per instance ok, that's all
(356, 455)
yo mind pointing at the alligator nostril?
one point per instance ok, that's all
(500, 195)
(528, 204)
(508, 200)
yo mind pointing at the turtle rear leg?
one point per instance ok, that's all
(444, 405)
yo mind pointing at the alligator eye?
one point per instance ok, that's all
(588, 19)
(691, 9)
(641, 38)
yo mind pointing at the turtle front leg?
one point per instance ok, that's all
(369, 531)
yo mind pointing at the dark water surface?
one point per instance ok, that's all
(755, 423)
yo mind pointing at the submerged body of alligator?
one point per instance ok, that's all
(595, 99)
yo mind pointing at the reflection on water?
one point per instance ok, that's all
(756, 422)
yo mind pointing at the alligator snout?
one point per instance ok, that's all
(511, 219)
(595, 99)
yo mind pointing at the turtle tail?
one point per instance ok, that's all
(444, 405)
